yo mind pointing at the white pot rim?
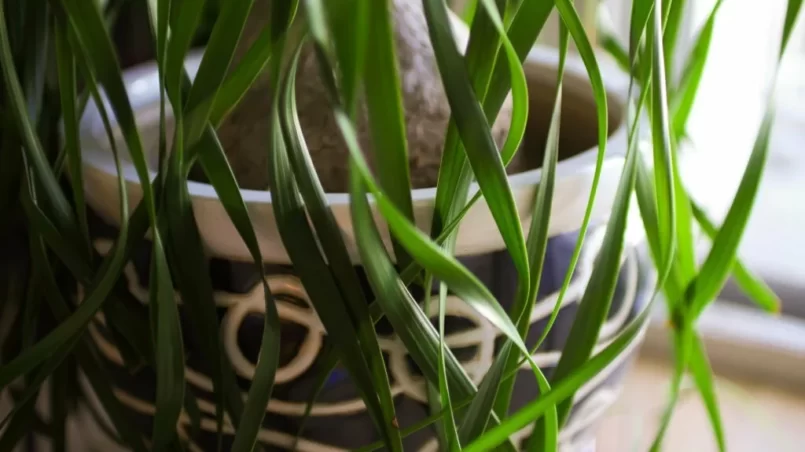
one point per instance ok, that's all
(573, 179)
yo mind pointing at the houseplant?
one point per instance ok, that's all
(61, 252)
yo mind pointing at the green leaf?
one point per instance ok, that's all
(564, 389)
(83, 351)
(454, 172)
(349, 28)
(213, 161)
(97, 48)
(791, 16)
(453, 443)
(641, 9)
(594, 304)
(473, 128)
(426, 252)
(182, 32)
(663, 155)
(545, 434)
(703, 377)
(538, 241)
(214, 65)
(241, 77)
(672, 23)
(573, 23)
(720, 259)
(409, 321)
(685, 93)
(98, 290)
(165, 325)
(680, 359)
(672, 284)
(754, 287)
(62, 212)
(336, 255)
(386, 116)
(72, 144)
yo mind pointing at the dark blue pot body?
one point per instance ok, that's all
(338, 419)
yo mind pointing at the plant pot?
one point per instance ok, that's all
(338, 420)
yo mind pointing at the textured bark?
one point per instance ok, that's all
(245, 133)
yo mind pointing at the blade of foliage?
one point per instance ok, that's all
(218, 55)
(313, 271)
(186, 19)
(241, 77)
(449, 430)
(703, 377)
(83, 351)
(680, 360)
(15, 101)
(644, 191)
(523, 31)
(685, 93)
(348, 21)
(754, 287)
(595, 302)
(409, 321)
(721, 257)
(663, 155)
(575, 28)
(165, 324)
(34, 67)
(429, 254)
(191, 268)
(564, 389)
(67, 95)
(169, 361)
(791, 15)
(97, 292)
(386, 116)
(216, 168)
(672, 23)
(473, 128)
(641, 10)
(213, 161)
(538, 237)
(545, 434)
(454, 172)
(336, 253)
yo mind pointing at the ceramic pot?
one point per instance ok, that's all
(338, 420)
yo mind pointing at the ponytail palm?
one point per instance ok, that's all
(58, 55)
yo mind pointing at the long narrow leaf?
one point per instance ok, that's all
(703, 377)
(17, 106)
(386, 116)
(594, 305)
(336, 254)
(754, 287)
(564, 389)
